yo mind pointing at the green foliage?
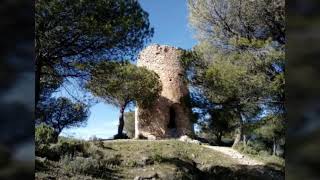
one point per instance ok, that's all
(62, 113)
(122, 83)
(61, 148)
(129, 125)
(220, 21)
(258, 146)
(271, 127)
(253, 148)
(258, 152)
(82, 27)
(221, 122)
(70, 33)
(157, 158)
(86, 166)
(241, 42)
(128, 159)
(70, 147)
(47, 151)
(49, 82)
(114, 160)
(44, 135)
(231, 79)
(238, 66)
(246, 149)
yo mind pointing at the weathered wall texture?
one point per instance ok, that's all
(170, 116)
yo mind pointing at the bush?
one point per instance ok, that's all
(99, 144)
(257, 145)
(246, 149)
(79, 164)
(264, 153)
(100, 154)
(65, 147)
(253, 148)
(45, 150)
(250, 150)
(86, 166)
(157, 158)
(71, 147)
(44, 135)
(113, 161)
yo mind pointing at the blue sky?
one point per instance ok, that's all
(170, 21)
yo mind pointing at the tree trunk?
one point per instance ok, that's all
(219, 137)
(238, 136)
(56, 136)
(239, 132)
(121, 121)
(244, 139)
(274, 149)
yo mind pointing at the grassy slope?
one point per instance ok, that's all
(169, 159)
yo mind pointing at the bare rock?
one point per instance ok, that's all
(189, 140)
(152, 176)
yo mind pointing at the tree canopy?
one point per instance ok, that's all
(123, 83)
(69, 32)
(60, 113)
(218, 21)
(238, 65)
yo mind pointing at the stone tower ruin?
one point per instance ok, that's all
(169, 117)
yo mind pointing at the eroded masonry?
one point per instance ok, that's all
(169, 117)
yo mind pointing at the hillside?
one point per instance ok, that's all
(142, 159)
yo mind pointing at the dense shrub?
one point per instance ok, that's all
(71, 147)
(48, 151)
(44, 134)
(113, 161)
(99, 144)
(98, 152)
(246, 149)
(257, 145)
(253, 148)
(62, 148)
(86, 166)
(79, 164)
(264, 153)
(157, 158)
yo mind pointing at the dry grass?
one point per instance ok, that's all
(126, 159)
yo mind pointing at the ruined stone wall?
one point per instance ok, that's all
(153, 122)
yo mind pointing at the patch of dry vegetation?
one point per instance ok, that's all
(129, 159)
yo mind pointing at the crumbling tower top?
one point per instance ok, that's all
(165, 61)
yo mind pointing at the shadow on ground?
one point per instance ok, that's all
(191, 170)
